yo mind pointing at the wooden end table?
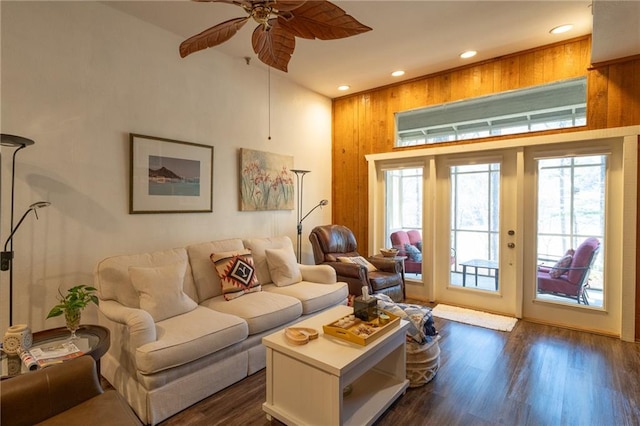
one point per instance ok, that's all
(93, 340)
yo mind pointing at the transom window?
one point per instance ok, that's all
(550, 106)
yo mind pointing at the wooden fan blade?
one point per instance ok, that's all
(236, 2)
(274, 46)
(286, 5)
(280, 5)
(212, 37)
(322, 20)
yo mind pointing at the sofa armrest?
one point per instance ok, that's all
(350, 270)
(322, 274)
(140, 324)
(34, 397)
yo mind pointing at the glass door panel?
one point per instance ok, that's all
(571, 229)
(475, 224)
(403, 217)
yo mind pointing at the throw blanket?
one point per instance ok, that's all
(421, 327)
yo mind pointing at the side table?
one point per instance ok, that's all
(93, 340)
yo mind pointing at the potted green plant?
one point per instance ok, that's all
(72, 304)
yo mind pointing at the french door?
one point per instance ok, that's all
(476, 197)
(497, 217)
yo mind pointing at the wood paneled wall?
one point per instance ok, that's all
(363, 123)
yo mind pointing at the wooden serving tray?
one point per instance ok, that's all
(352, 332)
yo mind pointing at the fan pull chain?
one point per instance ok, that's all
(269, 100)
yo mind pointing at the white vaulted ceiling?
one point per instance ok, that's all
(419, 37)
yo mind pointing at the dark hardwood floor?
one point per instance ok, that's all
(534, 375)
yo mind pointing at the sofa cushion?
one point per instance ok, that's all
(205, 277)
(313, 296)
(258, 247)
(262, 311)
(114, 283)
(283, 267)
(236, 272)
(107, 408)
(187, 337)
(160, 290)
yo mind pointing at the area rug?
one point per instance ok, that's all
(480, 319)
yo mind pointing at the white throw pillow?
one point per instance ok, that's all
(358, 260)
(283, 267)
(160, 290)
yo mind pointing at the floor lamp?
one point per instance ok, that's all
(19, 142)
(300, 186)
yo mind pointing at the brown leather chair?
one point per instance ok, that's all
(330, 242)
(63, 394)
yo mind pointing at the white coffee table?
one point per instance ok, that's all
(305, 383)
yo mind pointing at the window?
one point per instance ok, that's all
(550, 106)
(403, 199)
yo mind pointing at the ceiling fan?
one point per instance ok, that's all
(280, 21)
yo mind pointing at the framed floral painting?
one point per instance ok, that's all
(266, 181)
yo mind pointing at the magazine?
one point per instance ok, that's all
(55, 353)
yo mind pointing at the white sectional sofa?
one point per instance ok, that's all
(175, 339)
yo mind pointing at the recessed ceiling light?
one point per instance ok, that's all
(468, 54)
(561, 29)
(397, 73)
(344, 87)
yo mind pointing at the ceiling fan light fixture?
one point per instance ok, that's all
(261, 13)
(468, 54)
(344, 87)
(561, 29)
(398, 73)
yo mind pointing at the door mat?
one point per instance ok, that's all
(480, 319)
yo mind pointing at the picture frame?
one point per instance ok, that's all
(266, 181)
(169, 176)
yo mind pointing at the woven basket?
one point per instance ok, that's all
(423, 362)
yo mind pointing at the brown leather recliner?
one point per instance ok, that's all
(64, 394)
(329, 242)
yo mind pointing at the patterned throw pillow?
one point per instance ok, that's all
(358, 260)
(413, 252)
(419, 246)
(237, 273)
(560, 268)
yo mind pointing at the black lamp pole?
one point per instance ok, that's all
(299, 179)
(19, 142)
(300, 185)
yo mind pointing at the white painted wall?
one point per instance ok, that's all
(78, 77)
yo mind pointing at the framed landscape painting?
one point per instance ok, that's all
(169, 176)
(266, 181)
